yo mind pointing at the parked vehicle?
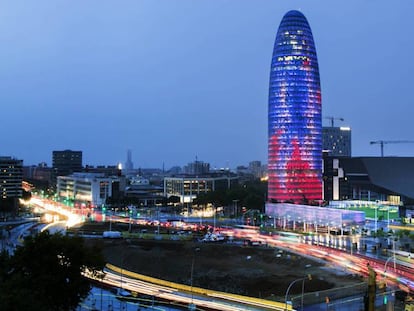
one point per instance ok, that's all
(111, 235)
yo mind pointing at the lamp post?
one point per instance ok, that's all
(388, 218)
(192, 306)
(309, 277)
(130, 222)
(386, 262)
(214, 217)
(235, 209)
(303, 283)
(110, 221)
(158, 217)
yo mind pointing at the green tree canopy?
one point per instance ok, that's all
(251, 194)
(46, 273)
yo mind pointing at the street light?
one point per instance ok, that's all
(385, 269)
(192, 306)
(303, 283)
(309, 277)
(235, 209)
(386, 262)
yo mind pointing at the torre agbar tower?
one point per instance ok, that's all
(295, 122)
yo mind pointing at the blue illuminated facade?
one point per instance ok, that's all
(294, 114)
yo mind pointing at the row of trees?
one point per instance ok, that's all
(251, 195)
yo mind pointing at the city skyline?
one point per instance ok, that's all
(176, 80)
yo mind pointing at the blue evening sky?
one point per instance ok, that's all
(173, 80)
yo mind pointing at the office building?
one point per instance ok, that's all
(188, 187)
(11, 177)
(90, 189)
(336, 141)
(294, 115)
(140, 191)
(66, 162)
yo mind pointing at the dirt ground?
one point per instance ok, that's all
(248, 270)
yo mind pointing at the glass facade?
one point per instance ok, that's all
(320, 216)
(294, 114)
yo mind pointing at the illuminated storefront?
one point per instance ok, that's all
(294, 114)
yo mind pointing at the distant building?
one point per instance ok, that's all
(336, 141)
(143, 192)
(66, 162)
(129, 166)
(188, 187)
(242, 170)
(109, 170)
(175, 170)
(11, 177)
(197, 168)
(40, 175)
(257, 169)
(91, 189)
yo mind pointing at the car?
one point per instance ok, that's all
(111, 235)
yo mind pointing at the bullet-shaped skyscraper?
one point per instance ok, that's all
(294, 114)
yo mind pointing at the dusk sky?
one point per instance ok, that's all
(173, 80)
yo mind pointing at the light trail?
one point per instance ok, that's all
(213, 300)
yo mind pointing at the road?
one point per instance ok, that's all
(339, 256)
(185, 295)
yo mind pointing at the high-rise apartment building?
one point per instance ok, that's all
(294, 115)
(336, 141)
(66, 162)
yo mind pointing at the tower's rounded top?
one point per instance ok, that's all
(295, 13)
(294, 16)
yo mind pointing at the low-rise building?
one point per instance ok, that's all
(143, 192)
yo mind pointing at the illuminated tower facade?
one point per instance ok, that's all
(294, 114)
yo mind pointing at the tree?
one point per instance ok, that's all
(173, 199)
(26, 195)
(46, 273)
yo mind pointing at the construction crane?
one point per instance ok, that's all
(333, 119)
(383, 142)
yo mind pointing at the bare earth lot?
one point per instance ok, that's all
(254, 271)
